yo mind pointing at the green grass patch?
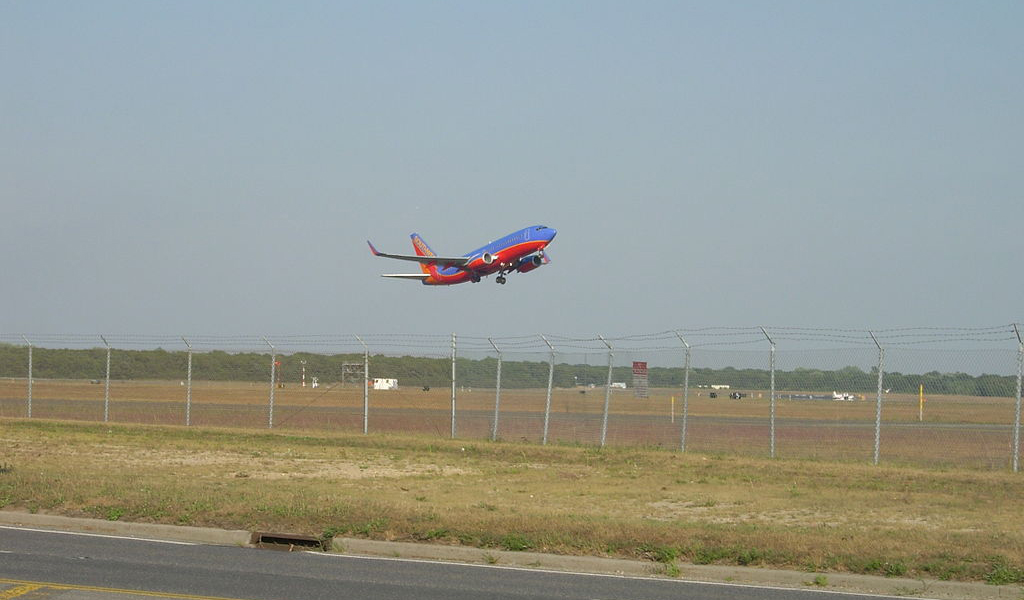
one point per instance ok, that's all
(1003, 573)
(516, 542)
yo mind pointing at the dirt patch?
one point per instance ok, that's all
(348, 470)
(707, 511)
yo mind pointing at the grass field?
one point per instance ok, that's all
(956, 431)
(617, 501)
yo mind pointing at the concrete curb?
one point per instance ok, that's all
(200, 535)
(502, 558)
(836, 582)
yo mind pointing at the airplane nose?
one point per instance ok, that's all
(551, 234)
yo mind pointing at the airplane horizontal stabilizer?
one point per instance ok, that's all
(416, 276)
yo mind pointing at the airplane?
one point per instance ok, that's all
(520, 251)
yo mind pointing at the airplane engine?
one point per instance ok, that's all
(485, 260)
(529, 263)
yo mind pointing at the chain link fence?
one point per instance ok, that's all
(914, 396)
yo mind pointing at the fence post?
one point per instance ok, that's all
(772, 367)
(497, 393)
(607, 392)
(273, 369)
(106, 386)
(1016, 414)
(878, 397)
(366, 386)
(188, 388)
(453, 385)
(686, 392)
(551, 376)
(30, 376)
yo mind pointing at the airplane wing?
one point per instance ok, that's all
(414, 276)
(455, 261)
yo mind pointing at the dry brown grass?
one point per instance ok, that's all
(959, 524)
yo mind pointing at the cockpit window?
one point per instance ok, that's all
(540, 227)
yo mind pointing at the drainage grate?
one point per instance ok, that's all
(286, 541)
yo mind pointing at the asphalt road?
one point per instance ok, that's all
(49, 564)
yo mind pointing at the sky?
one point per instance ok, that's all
(216, 168)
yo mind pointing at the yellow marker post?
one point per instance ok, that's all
(920, 403)
(673, 409)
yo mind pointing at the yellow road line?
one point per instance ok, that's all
(24, 587)
(18, 590)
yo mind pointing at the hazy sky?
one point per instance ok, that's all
(217, 167)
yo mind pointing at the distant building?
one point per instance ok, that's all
(618, 385)
(719, 386)
(380, 383)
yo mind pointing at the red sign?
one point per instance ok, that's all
(640, 379)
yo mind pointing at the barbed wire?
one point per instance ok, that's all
(440, 344)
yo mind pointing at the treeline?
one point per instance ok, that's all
(218, 365)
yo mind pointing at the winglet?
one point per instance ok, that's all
(372, 249)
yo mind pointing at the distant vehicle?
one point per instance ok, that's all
(738, 395)
(520, 251)
(843, 396)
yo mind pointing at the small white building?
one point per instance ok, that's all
(380, 383)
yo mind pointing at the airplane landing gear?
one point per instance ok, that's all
(500, 279)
